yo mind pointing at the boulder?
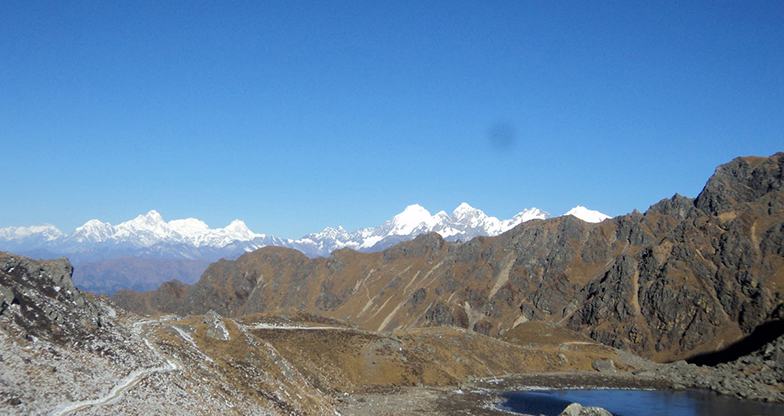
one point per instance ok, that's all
(576, 409)
(603, 365)
(215, 327)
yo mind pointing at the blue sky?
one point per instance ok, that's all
(294, 116)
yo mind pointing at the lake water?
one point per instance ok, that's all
(638, 403)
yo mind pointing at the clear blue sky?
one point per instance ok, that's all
(293, 116)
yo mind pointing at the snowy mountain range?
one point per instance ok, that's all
(149, 236)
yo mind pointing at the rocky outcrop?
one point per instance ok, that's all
(216, 329)
(708, 271)
(41, 300)
(744, 180)
(686, 277)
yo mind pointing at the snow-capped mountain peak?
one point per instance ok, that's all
(527, 215)
(151, 222)
(412, 213)
(587, 215)
(151, 219)
(93, 231)
(464, 209)
(467, 214)
(239, 231)
(93, 224)
(413, 217)
(144, 230)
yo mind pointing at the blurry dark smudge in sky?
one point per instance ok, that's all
(502, 136)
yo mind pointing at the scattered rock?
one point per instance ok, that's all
(778, 355)
(603, 365)
(754, 376)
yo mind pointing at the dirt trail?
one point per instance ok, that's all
(129, 381)
(294, 327)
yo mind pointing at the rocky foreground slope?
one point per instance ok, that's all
(688, 276)
(66, 352)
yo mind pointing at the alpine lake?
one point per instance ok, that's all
(689, 402)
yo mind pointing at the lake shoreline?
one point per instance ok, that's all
(483, 396)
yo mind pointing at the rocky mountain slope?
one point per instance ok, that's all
(686, 277)
(67, 352)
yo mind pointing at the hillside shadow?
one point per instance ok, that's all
(761, 335)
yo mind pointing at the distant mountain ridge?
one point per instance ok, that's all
(149, 236)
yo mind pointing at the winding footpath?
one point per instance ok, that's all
(295, 328)
(129, 381)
